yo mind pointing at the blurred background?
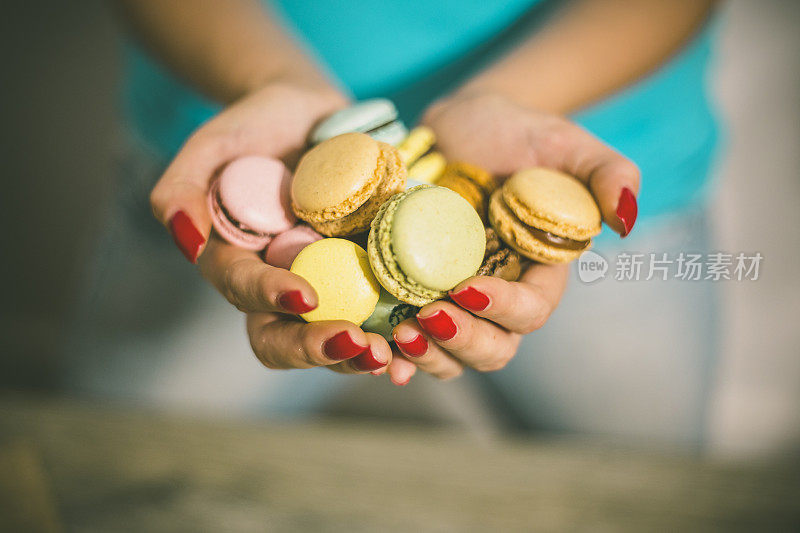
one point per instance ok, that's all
(61, 132)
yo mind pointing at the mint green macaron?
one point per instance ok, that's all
(388, 313)
(377, 118)
(423, 242)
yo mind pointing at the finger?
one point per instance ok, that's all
(252, 285)
(471, 340)
(401, 370)
(374, 360)
(283, 342)
(179, 198)
(425, 354)
(612, 178)
(522, 306)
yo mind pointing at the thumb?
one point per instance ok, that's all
(612, 178)
(615, 185)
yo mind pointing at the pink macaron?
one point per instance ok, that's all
(285, 247)
(250, 201)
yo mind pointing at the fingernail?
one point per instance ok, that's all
(471, 298)
(341, 346)
(186, 236)
(367, 361)
(295, 302)
(413, 348)
(627, 210)
(439, 325)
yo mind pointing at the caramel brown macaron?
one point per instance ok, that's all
(339, 184)
(499, 261)
(545, 215)
(472, 183)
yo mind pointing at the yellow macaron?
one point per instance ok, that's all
(340, 272)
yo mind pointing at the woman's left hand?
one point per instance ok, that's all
(483, 325)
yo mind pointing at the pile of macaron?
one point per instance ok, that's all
(381, 224)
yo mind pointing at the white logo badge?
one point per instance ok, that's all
(591, 266)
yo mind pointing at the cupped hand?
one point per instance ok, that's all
(273, 121)
(482, 326)
(271, 298)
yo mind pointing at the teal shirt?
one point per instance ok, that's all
(413, 51)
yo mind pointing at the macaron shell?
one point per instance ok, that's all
(437, 238)
(388, 313)
(227, 230)
(384, 265)
(336, 177)
(418, 142)
(391, 175)
(554, 202)
(361, 117)
(500, 261)
(504, 264)
(284, 248)
(468, 190)
(255, 191)
(339, 271)
(392, 133)
(516, 235)
(428, 168)
(424, 242)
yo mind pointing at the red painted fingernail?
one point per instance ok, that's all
(186, 236)
(341, 346)
(471, 298)
(439, 325)
(295, 302)
(627, 210)
(413, 348)
(367, 362)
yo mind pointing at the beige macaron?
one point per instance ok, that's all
(339, 184)
(545, 215)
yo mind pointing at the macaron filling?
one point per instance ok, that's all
(545, 237)
(557, 241)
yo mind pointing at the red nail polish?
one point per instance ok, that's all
(439, 325)
(471, 298)
(415, 347)
(295, 302)
(366, 362)
(627, 210)
(186, 236)
(341, 346)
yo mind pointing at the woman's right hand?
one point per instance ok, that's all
(273, 121)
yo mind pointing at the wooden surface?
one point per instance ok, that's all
(96, 468)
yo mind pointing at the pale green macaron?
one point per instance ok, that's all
(425, 241)
(388, 313)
